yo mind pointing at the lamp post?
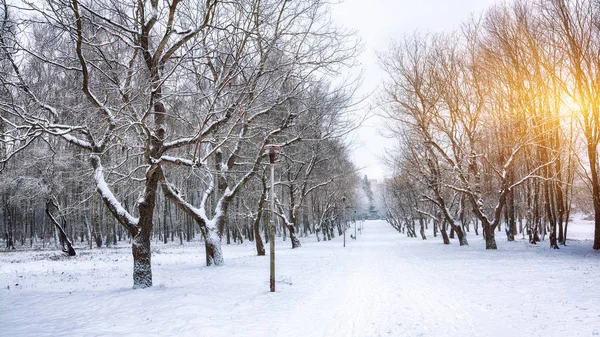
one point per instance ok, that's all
(272, 151)
(344, 218)
(354, 224)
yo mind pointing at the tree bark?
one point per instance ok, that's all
(462, 237)
(510, 217)
(422, 230)
(293, 237)
(592, 156)
(214, 254)
(63, 236)
(260, 248)
(490, 236)
(96, 233)
(444, 233)
(142, 267)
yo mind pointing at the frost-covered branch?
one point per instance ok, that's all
(111, 202)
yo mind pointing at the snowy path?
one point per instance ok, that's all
(382, 284)
(381, 289)
(407, 287)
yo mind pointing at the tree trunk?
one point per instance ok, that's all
(179, 227)
(593, 156)
(228, 234)
(114, 237)
(564, 242)
(260, 248)
(490, 236)
(89, 229)
(109, 229)
(97, 233)
(142, 266)
(139, 229)
(293, 237)
(266, 222)
(284, 233)
(214, 254)
(511, 226)
(63, 236)
(550, 206)
(462, 237)
(165, 227)
(422, 225)
(444, 233)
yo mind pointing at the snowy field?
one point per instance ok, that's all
(383, 284)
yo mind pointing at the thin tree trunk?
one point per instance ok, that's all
(63, 236)
(260, 248)
(422, 230)
(293, 237)
(511, 226)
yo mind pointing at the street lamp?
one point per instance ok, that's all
(354, 224)
(344, 217)
(272, 151)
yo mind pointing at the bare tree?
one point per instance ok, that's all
(572, 31)
(159, 89)
(452, 97)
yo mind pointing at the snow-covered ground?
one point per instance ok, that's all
(383, 284)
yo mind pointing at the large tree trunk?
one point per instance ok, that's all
(139, 229)
(490, 235)
(142, 268)
(212, 243)
(462, 237)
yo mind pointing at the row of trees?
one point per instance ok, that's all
(495, 121)
(160, 111)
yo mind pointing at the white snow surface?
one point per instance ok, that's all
(382, 284)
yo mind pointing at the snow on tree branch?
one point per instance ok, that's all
(115, 207)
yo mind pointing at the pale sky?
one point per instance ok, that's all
(378, 22)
